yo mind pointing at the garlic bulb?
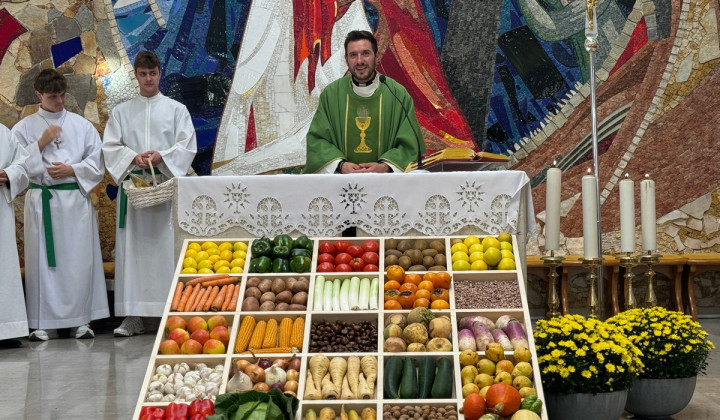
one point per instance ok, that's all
(164, 369)
(215, 378)
(200, 366)
(175, 378)
(160, 378)
(211, 389)
(168, 398)
(155, 386)
(189, 381)
(181, 368)
(154, 396)
(194, 375)
(169, 389)
(205, 372)
(199, 390)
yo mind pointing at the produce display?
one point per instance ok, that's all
(197, 410)
(488, 253)
(426, 349)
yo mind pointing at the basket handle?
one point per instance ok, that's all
(152, 172)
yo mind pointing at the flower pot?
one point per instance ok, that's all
(602, 406)
(659, 398)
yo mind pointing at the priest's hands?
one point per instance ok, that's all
(3, 177)
(378, 167)
(60, 170)
(141, 159)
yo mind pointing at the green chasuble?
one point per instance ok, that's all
(349, 126)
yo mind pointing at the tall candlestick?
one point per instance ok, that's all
(627, 215)
(589, 206)
(552, 209)
(647, 212)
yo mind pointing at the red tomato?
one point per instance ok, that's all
(355, 251)
(326, 247)
(343, 258)
(326, 267)
(343, 268)
(371, 257)
(357, 264)
(326, 257)
(371, 246)
(341, 246)
(371, 267)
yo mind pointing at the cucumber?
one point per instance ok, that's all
(426, 376)
(393, 375)
(409, 382)
(442, 385)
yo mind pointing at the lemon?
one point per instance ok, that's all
(479, 265)
(224, 269)
(240, 246)
(504, 237)
(239, 254)
(195, 246)
(205, 271)
(189, 262)
(190, 253)
(188, 270)
(204, 264)
(471, 240)
(237, 262)
(226, 254)
(460, 255)
(506, 254)
(506, 245)
(208, 244)
(212, 251)
(461, 265)
(506, 264)
(475, 248)
(492, 256)
(490, 242)
(459, 247)
(236, 270)
(221, 263)
(201, 256)
(214, 258)
(475, 256)
(225, 245)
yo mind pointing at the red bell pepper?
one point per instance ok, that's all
(198, 416)
(204, 406)
(177, 411)
(151, 413)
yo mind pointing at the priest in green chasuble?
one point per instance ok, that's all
(365, 121)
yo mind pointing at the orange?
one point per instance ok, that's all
(395, 272)
(392, 304)
(412, 278)
(423, 294)
(440, 304)
(421, 303)
(427, 285)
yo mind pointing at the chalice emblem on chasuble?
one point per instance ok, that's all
(362, 121)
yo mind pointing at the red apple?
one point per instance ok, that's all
(213, 346)
(191, 347)
(201, 336)
(179, 335)
(173, 322)
(216, 320)
(221, 334)
(169, 347)
(196, 323)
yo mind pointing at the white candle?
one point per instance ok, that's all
(552, 209)
(647, 212)
(589, 206)
(627, 215)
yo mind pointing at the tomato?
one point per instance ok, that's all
(395, 272)
(371, 267)
(442, 280)
(343, 258)
(391, 284)
(355, 251)
(392, 304)
(408, 286)
(439, 304)
(427, 285)
(406, 299)
(371, 246)
(345, 268)
(391, 294)
(341, 246)
(421, 303)
(357, 264)
(326, 248)
(371, 257)
(423, 294)
(442, 294)
(326, 257)
(326, 267)
(412, 278)
(474, 406)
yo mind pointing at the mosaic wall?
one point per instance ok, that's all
(506, 76)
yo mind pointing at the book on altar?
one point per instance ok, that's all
(458, 154)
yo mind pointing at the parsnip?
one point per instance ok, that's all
(343, 414)
(369, 368)
(318, 365)
(311, 393)
(328, 390)
(345, 391)
(353, 373)
(368, 414)
(364, 391)
(338, 368)
(327, 413)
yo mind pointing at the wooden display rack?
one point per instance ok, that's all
(521, 314)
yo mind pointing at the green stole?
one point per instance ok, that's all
(362, 119)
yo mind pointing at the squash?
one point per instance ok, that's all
(473, 407)
(502, 399)
(525, 415)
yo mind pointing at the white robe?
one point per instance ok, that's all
(144, 248)
(73, 293)
(13, 316)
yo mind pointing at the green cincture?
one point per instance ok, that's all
(47, 218)
(122, 201)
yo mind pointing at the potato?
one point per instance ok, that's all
(278, 285)
(267, 297)
(391, 260)
(289, 282)
(283, 297)
(404, 245)
(282, 306)
(404, 262)
(297, 307)
(302, 285)
(253, 282)
(391, 243)
(265, 285)
(299, 298)
(267, 306)
(420, 244)
(254, 292)
(250, 304)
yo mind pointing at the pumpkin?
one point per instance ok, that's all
(525, 415)
(473, 406)
(502, 399)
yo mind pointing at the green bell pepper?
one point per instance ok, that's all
(281, 251)
(300, 264)
(280, 265)
(263, 265)
(253, 266)
(283, 240)
(261, 247)
(532, 403)
(303, 241)
(301, 252)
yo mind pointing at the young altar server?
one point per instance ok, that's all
(156, 128)
(64, 277)
(13, 180)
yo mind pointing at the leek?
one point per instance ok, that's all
(336, 295)
(344, 295)
(364, 293)
(353, 294)
(373, 301)
(318, 295)
(327, 296)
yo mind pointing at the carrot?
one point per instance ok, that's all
(200, 299)
(228, 297)
(233, 302)
(220, 282)
(216, 304)
(177, 296)
(196, 280)
(193, 299)
(213, 293)
(184, 298)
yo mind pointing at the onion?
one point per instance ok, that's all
(275, 375)
(264, 363)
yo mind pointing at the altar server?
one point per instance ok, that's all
(156, 128)
(64, 277)
(13, 180)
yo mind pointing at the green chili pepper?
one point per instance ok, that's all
(261, 247)
(281, 251)
(280, 265)
(300, 264)
(283, 240)
(263, 265)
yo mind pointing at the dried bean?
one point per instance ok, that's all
(482, 294)
(343, 337)
(426, 412)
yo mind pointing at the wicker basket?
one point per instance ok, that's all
(149, 196)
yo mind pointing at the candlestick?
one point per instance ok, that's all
(592, 265)
(627, 215)
(647, 211)
(552, 209)
(589, 205)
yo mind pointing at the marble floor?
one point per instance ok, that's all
(101, 378)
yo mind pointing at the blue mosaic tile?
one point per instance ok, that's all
(66, 50)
